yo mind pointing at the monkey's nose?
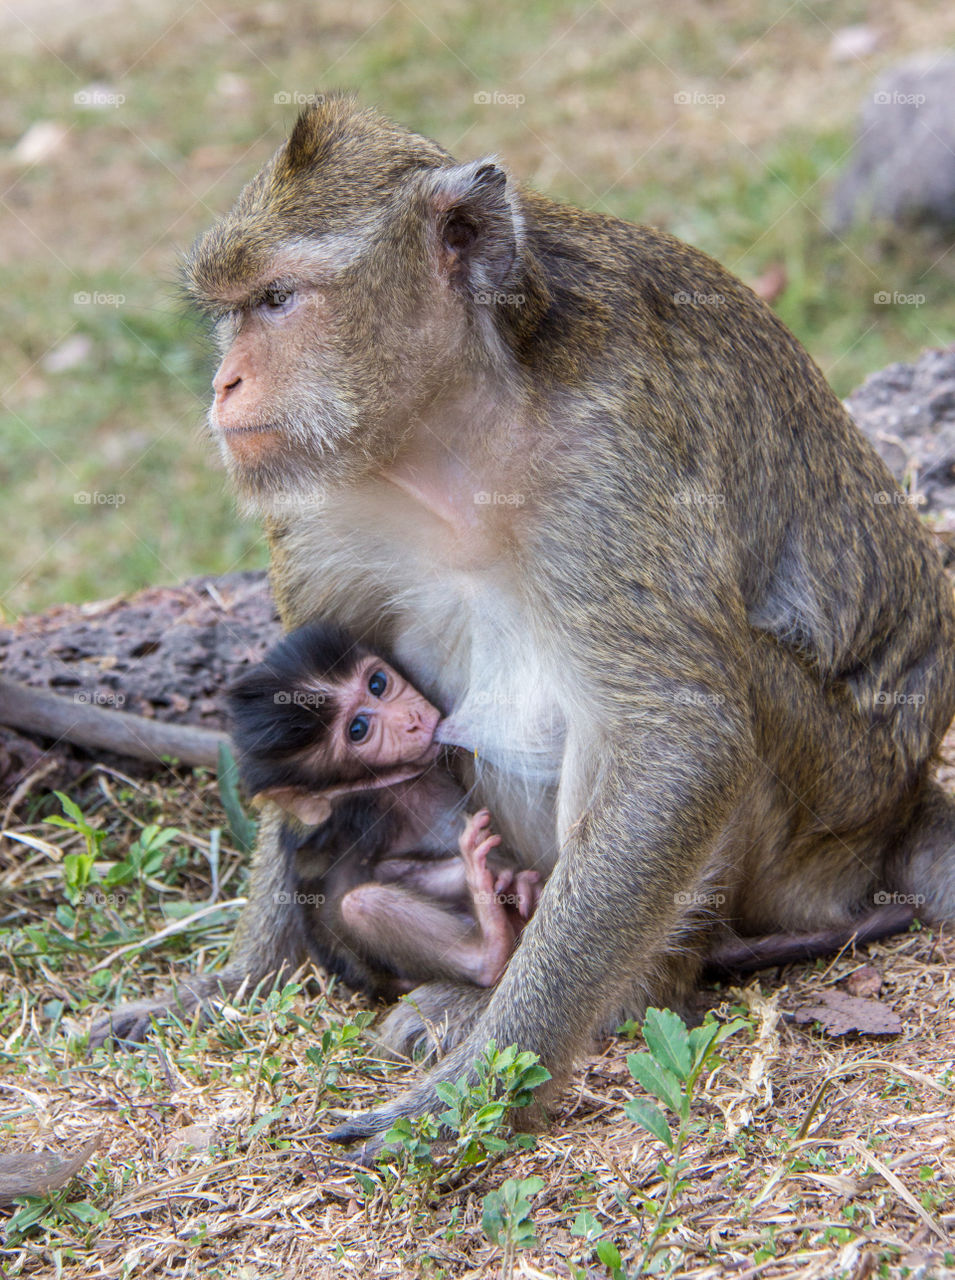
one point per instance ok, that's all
(223, 388)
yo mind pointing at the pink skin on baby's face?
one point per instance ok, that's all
(385, 721)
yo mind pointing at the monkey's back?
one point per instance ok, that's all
(837, 585)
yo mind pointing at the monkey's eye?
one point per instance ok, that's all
(358, 729)
(377, 684)
(278, 302)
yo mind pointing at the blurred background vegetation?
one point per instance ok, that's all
(126, 127)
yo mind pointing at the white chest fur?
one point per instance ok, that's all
(461, 632)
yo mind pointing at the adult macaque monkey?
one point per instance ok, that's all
(399, 885)
(599, 501)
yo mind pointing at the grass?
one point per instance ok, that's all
(743, 173)
(791, 1154)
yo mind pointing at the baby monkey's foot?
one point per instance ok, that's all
(527, 891)
(476, 843)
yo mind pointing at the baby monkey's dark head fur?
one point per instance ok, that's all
(283, 710)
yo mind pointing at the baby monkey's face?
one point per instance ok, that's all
(385, 721)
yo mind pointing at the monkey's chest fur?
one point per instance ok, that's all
(463, 636)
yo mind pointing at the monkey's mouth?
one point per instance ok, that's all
(251, 447)
(266, 429)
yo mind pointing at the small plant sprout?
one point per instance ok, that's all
(670, 1071)
(506, 1219)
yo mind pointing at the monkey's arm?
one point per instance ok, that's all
(47, 714)
(648, 782)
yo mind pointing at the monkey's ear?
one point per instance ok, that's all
(310, 807)
(477, 228)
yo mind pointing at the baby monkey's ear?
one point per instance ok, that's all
(313, 806)
(310, 807)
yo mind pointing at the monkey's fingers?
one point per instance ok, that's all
(370, 1127)
(128, 1025)
(485, 847)
(131, 1024)
(528, 893)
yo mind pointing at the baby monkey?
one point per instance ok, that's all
(396, 884)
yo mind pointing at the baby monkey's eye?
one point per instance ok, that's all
(358, 729)
(378, 684)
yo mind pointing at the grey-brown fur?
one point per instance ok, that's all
(736, 660)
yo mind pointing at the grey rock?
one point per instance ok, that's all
(908, 413)
(903, 162)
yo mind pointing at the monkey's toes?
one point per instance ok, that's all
(369, 1129)
(528, 893)
(504, 881)
(472, 834)
(120, 1026)
(131, 1024)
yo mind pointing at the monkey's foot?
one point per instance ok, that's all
(476, 834)
(369, 1127)
(528, 891)
(446, 1010)
(131, 1024)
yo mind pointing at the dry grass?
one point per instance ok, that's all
(211, 1158)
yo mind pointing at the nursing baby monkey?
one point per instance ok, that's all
(395, 885)
(352, 752)
(600, 503)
